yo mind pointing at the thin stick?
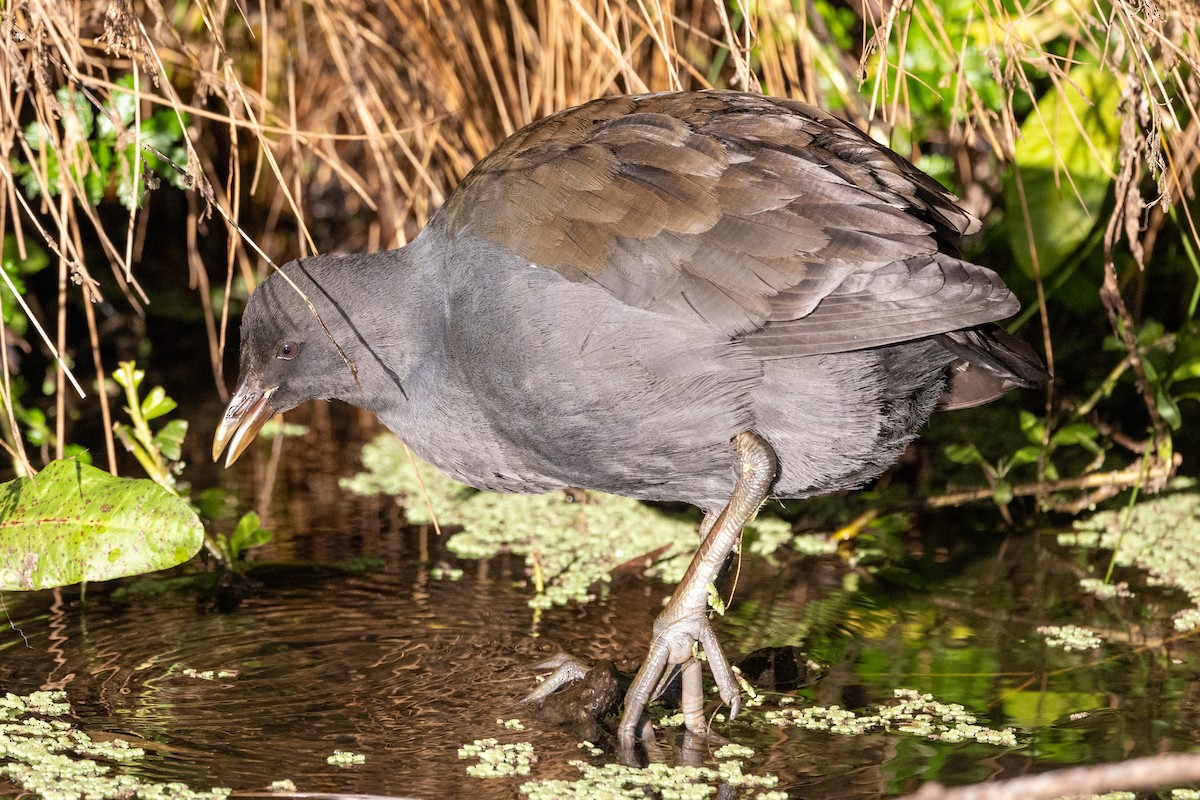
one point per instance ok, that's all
(53, 350)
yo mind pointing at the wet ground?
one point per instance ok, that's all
(352, 636)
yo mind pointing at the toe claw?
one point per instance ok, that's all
(567, 670)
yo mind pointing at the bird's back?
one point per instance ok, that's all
(631, 283)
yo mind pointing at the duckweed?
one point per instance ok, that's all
(912, 713)
(56, 761)
(544, 528)
(498, 760)
(1160, 536)
(345, 758)
(666, 781)
(1103, 590)
(1071, 638)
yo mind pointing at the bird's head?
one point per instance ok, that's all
(291, 352)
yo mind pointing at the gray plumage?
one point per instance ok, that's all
(620, 289)
(702, 297)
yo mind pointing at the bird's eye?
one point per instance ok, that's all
(287, 351)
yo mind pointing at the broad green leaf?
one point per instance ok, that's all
(35, 259)
(1078, 433)
(157, 403)
(1025, 455)
(1031, 426)
(963, 454)
(1187, 370)
(170, 438)
(73, 523)
(1066, 157)
(248, 533)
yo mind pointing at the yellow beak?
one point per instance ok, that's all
(248, 411)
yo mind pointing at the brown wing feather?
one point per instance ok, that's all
(746, 212)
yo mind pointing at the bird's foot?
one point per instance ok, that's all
(576, 696)
(676, 647)
(567, 670)
(684, 624)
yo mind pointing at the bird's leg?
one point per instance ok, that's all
(684, 621)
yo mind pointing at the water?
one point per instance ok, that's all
(352, 644)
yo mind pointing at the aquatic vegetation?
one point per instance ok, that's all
(544, 528)
(209, 674)
(498, 760)
(1071, 638)
(912, 713)
(664, 780)
(345, 758)
(58, 761)
(1159, 535)
(1104, 590)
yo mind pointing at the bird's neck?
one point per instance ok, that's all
(395, 322)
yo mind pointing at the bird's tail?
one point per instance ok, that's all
(990, 362)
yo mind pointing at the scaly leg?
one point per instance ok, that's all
(684, 621)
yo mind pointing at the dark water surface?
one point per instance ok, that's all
(404, 668)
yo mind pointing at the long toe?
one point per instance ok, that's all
(675, 646)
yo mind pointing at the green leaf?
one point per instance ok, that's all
(128, 376)
(963, 454)
(1025, 455)
(170, 439)
(36, 258)
(157, 403)
(1168, 409)
(124, 104)
(1032, 427)
(78, 452)
(78, 103)
(1079, 433)
(1066, 155)
(1002, 494)
(248, 533)
(73, 523)
(1186, 371)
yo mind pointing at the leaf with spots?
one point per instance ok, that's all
(73, 523)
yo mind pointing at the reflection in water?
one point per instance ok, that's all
(405, 669)
(395, 668)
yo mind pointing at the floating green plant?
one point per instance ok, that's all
(912, 713)
(547, 529)
(57, 761)
(1071, 638)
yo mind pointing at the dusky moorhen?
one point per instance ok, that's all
(707, 297)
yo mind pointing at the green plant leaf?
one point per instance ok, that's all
(248, 533)
(1168, 409)
(73, 523)
(170, 439)
(1025, 455)
(1079, 433)
(1032, 427)
(963, 454)
(157, 403)
(128, 376)
(36, 259)
(1186, 371)
(1066, 155)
